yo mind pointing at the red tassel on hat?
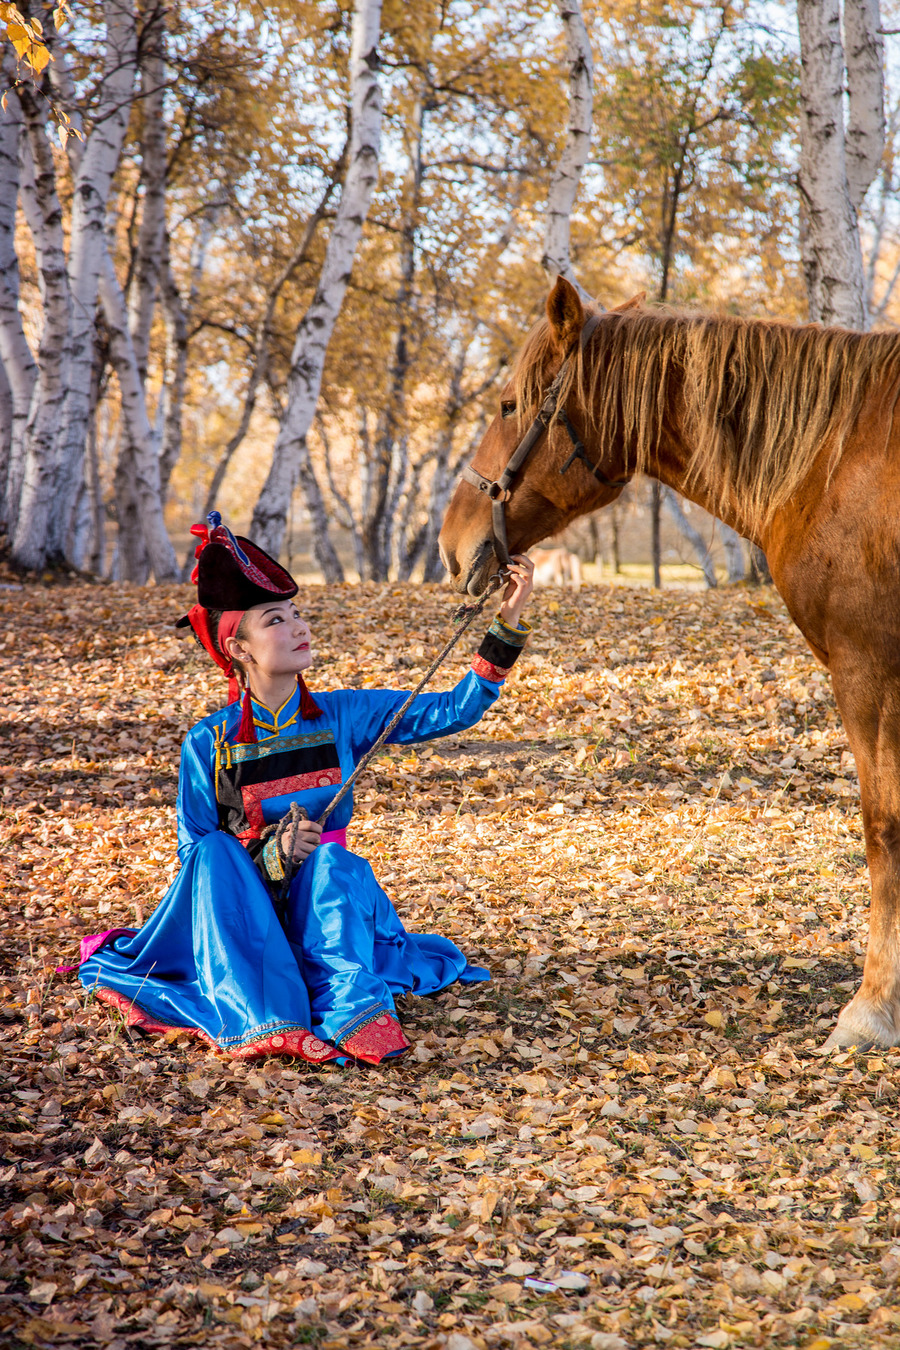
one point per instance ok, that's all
(246, 732)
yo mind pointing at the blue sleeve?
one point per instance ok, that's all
(196, 806)
(432, 715)
(368, 712)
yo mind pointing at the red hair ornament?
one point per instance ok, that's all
(236, 573)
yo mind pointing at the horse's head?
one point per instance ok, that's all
(543, 496)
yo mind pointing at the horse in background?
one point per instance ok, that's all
(788, 434)
(556, 567)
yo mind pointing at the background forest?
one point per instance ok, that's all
(172, 180)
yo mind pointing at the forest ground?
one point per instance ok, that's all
(653, 841)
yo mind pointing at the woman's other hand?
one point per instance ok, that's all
(519, 587)
(309, 832)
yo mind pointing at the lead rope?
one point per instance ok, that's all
(463, 617)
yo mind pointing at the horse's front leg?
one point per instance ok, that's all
(869, 700)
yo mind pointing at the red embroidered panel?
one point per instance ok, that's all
(488, 671)
(376, 1039)
(254, 794)
(295, 1041)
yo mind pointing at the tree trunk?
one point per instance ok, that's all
(692, 535)
(34, 495)
(19, 369)
(175, 379)
(317, 325)
(567, 175)
(142, 459)
(655, 550)
(759, 567)
(52, 483)
(148, 257)
(733, 546)
(833, 258)
(864, 56)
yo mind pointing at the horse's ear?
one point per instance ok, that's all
(565, 315)
(634, 303)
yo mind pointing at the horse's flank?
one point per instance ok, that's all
(757, 401)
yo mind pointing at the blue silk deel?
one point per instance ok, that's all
(214, 956)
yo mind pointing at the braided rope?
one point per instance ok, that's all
(463, 617)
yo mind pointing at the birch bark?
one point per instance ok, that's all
(864, 57)
(32, 488)
(691, 533)
(317, 325)
(564, 184)
(832, 256)
(142, 461)
(46, 512)
(148, 255)
(16, 360)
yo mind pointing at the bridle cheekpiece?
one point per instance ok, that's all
(498, 490)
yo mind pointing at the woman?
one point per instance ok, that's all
(222, 958)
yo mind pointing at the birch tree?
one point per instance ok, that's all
(291, 453)
(838, 163)
(556, 259)
(19, 372)
(53, 468)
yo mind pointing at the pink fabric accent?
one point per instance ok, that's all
(92, 944)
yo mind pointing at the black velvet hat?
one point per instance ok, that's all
(232, 573)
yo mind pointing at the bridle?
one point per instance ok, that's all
(498, 490)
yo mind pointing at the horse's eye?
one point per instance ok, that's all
(508, 408)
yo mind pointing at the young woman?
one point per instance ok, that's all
(221, 957)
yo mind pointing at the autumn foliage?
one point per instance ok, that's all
(653, 842)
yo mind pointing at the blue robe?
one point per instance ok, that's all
(215, 958)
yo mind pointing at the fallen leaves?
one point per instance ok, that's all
(627, 1138)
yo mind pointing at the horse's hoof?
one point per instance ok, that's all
(847, 1040)
(861, 1026)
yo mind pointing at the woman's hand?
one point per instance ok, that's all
(309, 832)
(520, 586)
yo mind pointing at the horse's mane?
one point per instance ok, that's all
(757, 400)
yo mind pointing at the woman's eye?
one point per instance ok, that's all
(508, 408)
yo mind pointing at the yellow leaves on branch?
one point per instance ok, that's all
(27, 36)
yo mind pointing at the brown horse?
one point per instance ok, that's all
(787, 434)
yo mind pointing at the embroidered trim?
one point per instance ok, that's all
(295, 1040)
(488, 671)
(375, 1039)
(254, 794)
(262, 750)
(506, 633)
(272, 861)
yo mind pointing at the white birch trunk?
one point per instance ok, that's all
(87, 252)
(733, 547)
(864, 56)
(691, 534)
(19, 369)
(148, 259)
(34, 490)
(564, 185)
(143, 459)
(832, 256)
(317, 325)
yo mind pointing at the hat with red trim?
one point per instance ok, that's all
(232, 573)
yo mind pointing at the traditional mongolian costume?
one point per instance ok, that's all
(220, 958)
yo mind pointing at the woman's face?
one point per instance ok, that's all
(276, 640)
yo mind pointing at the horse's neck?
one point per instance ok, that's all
(672, 468)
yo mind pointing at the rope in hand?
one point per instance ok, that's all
(463, 618)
